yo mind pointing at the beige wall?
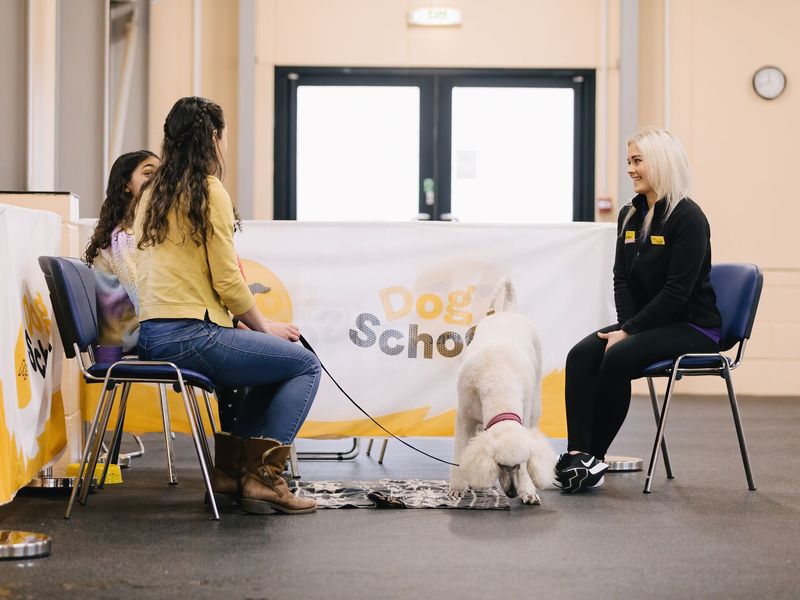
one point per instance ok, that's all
(172, 56)
(13, 104)
(740, 146)
(743, 150)
(42, 69)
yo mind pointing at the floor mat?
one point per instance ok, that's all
(392, 493)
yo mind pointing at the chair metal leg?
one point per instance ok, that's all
(657, 414)
(739, 431)
(173, 477)
(194, 426)
(346, 455)
(383, 450)
(660, 433)
(98, 441)
(123, 404)
(86, 449)
(201, 428)
(140, 451)
(210, 410)
(293, 462)
(369, 445)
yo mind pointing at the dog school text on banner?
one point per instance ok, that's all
(32, 427)
(389, 308)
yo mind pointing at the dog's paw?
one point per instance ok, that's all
(456, 493)
(531, 499)
(457, 486)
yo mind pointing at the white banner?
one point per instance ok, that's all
(389, 306)
(32, 428)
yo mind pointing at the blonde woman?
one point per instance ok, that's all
(665, 304)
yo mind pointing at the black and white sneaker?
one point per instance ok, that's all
(579, 472)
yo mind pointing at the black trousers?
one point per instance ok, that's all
(598, 383)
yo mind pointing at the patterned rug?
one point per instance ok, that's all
(392, 494)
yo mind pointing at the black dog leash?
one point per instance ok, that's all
(308, 347)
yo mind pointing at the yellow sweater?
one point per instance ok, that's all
(180, 280)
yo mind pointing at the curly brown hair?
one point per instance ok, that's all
(117, 209)
(189, 155)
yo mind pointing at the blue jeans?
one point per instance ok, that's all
(283, 377)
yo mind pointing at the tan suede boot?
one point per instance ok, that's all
(264, 489)
(227, 470)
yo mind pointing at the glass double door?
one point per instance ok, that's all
(395, 145)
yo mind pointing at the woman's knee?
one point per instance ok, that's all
(313, 366)
(316, 366)
(619, 361)
(585, 352)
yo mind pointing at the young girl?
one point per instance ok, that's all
(666, 306)
(189, 283)
(111, 253)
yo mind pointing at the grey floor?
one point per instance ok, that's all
(701, 535)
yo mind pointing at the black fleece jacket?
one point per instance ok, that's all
(664, 278)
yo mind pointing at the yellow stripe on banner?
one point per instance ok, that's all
(15, 471)
(143, 414)
(553, 421)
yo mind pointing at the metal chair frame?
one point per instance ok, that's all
(99, 424)
(78, 318)
(676, 372)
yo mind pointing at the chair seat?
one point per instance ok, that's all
(663, 367)
(192, 378)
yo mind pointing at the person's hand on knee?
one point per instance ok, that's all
(287, 331)
(612, 337)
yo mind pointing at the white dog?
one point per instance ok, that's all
(499, 404)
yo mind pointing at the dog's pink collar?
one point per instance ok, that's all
(506, 416)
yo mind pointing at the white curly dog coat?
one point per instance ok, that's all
(500, 382)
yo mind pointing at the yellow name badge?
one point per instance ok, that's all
(657, 240)
(630, 237)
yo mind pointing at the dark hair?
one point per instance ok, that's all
(189, 155)
(117, 207)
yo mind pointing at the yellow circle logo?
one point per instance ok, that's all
(272, 297)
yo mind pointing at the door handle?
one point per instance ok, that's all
(430, 195)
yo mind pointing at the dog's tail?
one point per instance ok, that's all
(504, 297)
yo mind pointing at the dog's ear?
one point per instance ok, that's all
(478, 464)
(541, 459)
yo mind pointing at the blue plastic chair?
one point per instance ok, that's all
(738, 289)
(72, 292)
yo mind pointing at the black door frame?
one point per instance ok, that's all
(435, 124)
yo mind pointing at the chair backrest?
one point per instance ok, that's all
(738, 289)
(72, 293)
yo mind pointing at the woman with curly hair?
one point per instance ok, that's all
(111, 252)
(189, 284)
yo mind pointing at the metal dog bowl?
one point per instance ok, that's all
(23, 544)
(621, 464)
